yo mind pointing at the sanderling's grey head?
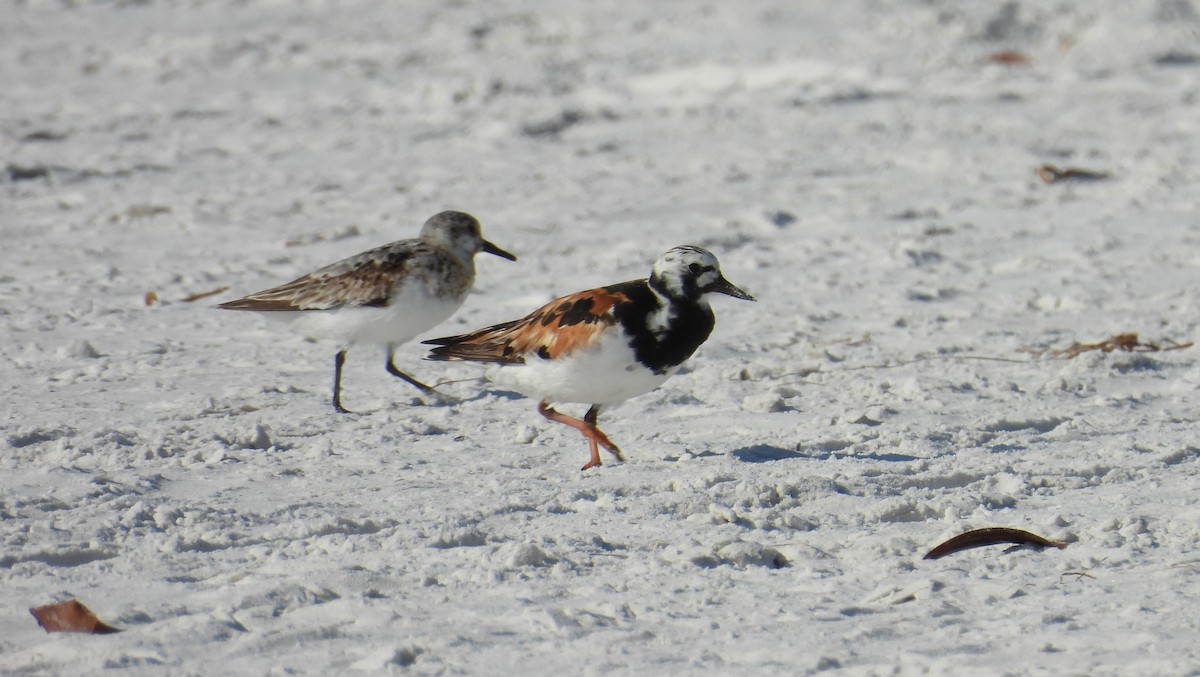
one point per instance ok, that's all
(460, 233)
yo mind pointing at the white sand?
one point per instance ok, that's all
(863, 170)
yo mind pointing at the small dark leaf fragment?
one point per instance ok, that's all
(1009, 58)
(44, 135)
(1052, 174)
(20, 173)
(1126, 342)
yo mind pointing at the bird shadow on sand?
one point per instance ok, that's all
(489, 394)
(766, 453)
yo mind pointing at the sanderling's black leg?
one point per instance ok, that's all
(338, 360)
(391, 367)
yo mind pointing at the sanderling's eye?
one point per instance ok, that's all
(695, 268)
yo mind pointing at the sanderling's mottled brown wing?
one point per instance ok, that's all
(553, 331)
(363, 280)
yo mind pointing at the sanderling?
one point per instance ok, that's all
(603, 346)
(386, 295)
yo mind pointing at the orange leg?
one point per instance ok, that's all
(595, 437)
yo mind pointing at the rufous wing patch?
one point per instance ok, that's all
(554, 330)
(485, 345)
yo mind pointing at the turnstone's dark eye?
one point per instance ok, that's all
(695, 268)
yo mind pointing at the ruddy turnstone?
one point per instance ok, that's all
(603, 346)
(386, 295)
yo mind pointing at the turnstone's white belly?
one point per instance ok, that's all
(605, 373)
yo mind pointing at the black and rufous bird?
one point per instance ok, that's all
(602, 346)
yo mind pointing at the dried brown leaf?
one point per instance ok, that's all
(70, 616)
(978, 538)
(151, 298)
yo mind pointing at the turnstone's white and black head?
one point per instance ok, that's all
(687, 273)
(460, 233)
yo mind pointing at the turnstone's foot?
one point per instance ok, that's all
(595, 437)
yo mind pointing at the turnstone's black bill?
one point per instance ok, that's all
(603, 346)
(386, 295)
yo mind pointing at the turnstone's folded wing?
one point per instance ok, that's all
(556, 329)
